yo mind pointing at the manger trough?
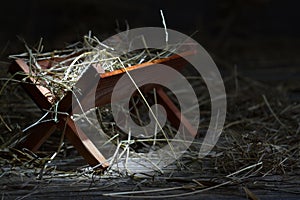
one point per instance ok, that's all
(61, 101)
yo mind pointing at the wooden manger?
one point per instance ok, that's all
(38, 134)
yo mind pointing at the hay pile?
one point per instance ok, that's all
(69, 64)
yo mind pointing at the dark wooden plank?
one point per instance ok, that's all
(83, 144)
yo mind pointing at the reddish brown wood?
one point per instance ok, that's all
(108, 80)
(83, 144)
(174, 114)
(43, 90)
(19, 68)
(37, 135)
(44, 99)
(176, 61)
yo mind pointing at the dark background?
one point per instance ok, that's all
(250, 34)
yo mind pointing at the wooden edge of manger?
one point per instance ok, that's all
(176, 57)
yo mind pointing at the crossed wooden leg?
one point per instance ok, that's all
(38, 134)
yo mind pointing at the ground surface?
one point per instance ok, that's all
(200, 179)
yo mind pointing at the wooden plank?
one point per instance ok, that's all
(174, 114)
(37, 135)
(83, 144)
(37, 93)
